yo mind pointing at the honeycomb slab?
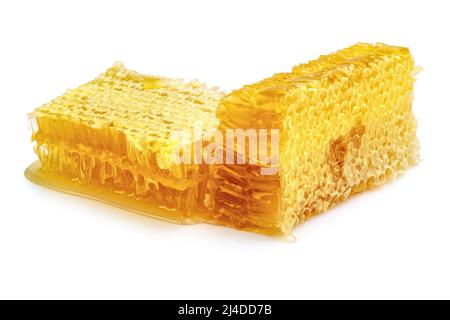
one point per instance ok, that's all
(116, 134)
(344, 124)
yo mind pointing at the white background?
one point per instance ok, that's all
(389, 243)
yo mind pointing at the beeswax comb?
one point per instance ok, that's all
(112, 139)
(345, 125)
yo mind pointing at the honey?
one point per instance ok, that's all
(343, 124)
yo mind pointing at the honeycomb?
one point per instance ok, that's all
(344, 124)
(116, 132)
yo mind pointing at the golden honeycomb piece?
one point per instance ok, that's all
(345, 125)
(115, 134)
